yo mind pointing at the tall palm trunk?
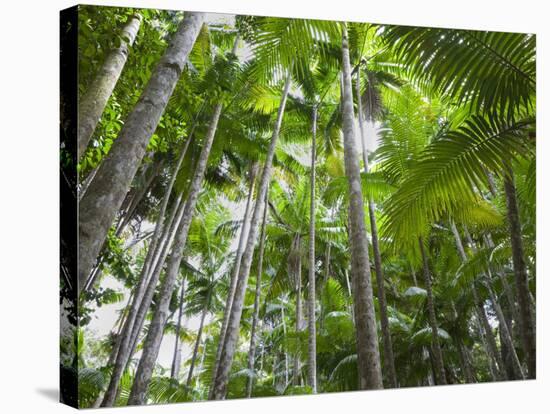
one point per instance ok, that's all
(511, 302)
(93, 102)
(493, 368)
(197, 343)
(505, 334)
(174, 370)
(113, 178)
(437, 353)
(156, 269)
(226, 358)
(141, 295)
(526, 326)
(256, 314)
(285, 353)
(489, 337)
(236, 268)
(156, 328)
(389, 363)
(368, 356)
(312, 339)
(469, 375)
(296, 270)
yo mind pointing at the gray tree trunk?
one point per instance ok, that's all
(489, 337)
(469, 375)
(106, 192)
(236, 268)
(312, 335)
(368, 356)
(437, 353)
(219, 387)
(143, 294)
(174, 370)
(158, 264)
(526, 317)
(505, 334)
(156, 328)
(296, 270)
(197, 343)
(92, 103)
(389, 363)
(256, 313)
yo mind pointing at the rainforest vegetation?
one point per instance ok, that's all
(282, 206)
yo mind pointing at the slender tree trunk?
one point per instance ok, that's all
(511, 302)
(368, 356)
(505, 334)
(437, 353)
(322, 290)
(469, 375)
(236, 268)
(92, 103)
(413, 276)
(312, 335)
(256, 314)
(286, 353)
(196, 348)
(141, 296)
(222, 376)
(142, 186)
(201, 363)
(503, 323)
(297, 270)
(526, 327)
(174, 371)
(106, 192)
(157, 266)
(156, 328)
(493, 369)
(389, 363)
(489, 337)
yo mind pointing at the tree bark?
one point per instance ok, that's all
(526, 327)
(197, 343)
(296, 269)
(113, 178)
(156, 328)
(93, 102)
(143, 295)
(236, 268)
(157, 266)
(256, 313)
(469, 375)
(174, 371)
(438, 354)
(389, 363)
(368, 356)
(505, 334)
(219, 387)
(312, 335)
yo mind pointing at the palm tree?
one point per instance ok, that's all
(368, 357)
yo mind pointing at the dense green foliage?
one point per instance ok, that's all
(450, 121)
